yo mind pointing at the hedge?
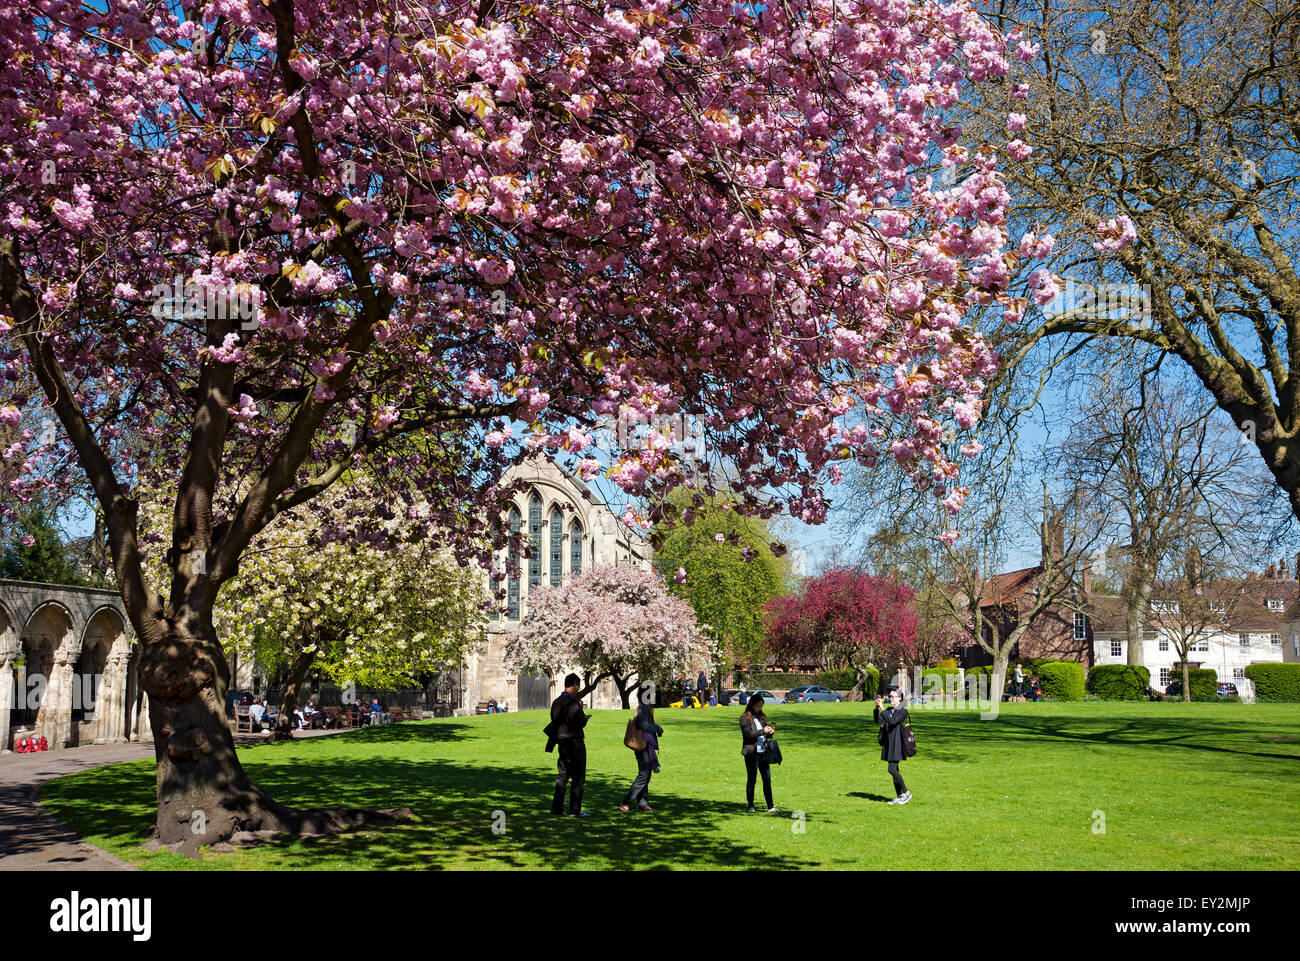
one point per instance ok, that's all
(1119, 682)
(1204, 682)
(943, 673)
(1275, 682)
(835, 680)
(1062, 680)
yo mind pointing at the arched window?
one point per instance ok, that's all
(534, 542)
(557, 547)
(575, 549)
(512, 579)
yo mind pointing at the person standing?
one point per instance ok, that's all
(647, 760)
(702, 687)
(891, 720)
(1018, 689)
(754, 732)
(565, 730)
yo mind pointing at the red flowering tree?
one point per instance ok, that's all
(846, 620)
(247, 246)
(611, 622)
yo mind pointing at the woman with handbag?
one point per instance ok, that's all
(642, 736)
(754, 735)
(894, 725)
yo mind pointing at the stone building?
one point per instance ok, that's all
(570, 530)
(67, 667)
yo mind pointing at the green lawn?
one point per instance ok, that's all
(1182, 786)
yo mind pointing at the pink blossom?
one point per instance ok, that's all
(1016, 122)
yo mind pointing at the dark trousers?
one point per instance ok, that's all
(571, 767)
(752, 769)
(639, 792)
(899, 787)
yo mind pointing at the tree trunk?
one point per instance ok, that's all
(1139, 600)
(1187, 680)
(998, 678)
(284, 723)
(625, 687)
(204, 795)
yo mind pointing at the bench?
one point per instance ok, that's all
(396, 714)
(243, 719)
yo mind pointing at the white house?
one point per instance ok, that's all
(1256, 630)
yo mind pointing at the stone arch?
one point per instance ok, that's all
(42, 697)
(93, 676)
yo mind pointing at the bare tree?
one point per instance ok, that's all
(1197, 603)
(1165, 143)
(1163, 470)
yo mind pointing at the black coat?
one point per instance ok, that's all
(748, 736)
(891, 719)
(645, 721)
(567, 720)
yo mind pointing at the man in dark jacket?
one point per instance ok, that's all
(565, 731)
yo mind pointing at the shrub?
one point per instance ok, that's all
(1062, 680)
(943, 684)
(1204, 683)
(871, 687)
(837, 680)
(947, 662)
(1275, 682)
(1119, 682)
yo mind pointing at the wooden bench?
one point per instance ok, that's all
(243, 719)
(396, 714)
(481, 707)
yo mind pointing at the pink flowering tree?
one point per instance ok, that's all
(248, 246)
(846, 620)
(618, 623)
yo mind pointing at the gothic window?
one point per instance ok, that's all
(575, 549)
(512, 584)
(557, 547)
(534, 542)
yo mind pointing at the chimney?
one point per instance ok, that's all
(1270, 572)
(1281, 568)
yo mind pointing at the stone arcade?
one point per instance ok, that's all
(67, 667)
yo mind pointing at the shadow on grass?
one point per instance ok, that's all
(940, 734)
(494, 815)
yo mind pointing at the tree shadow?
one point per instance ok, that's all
(869, 797)
(486, 815)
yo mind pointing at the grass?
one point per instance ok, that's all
(1181, 786)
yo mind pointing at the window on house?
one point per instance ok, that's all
(1238, 673)
(1218, 607)
(1164, 677)
(1116, 648)
(1163, 644)
(1203, 646)
(1080, 626)
(1243, 641)
(1276, 604)
(1275, 640)
(1164, 607)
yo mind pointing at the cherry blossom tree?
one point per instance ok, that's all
(619, 623)
(249, 245)
(847, 620)
(375, 614)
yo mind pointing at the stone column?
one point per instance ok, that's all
(111, 715)
(8, 655)
(58, 696)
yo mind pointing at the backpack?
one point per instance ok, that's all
(909, 739)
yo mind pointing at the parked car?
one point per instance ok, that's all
(809, 693)
(742, 697)
(730, 697)
(1228, 690)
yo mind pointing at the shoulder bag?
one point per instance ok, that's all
(909, 739)
(633, 737)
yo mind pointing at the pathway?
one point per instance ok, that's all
(31, 839)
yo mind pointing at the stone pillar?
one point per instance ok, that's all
(8, 655)
(58, 696)
(111, 708)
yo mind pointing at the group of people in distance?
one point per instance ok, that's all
(1020, 690)
(568, 719)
